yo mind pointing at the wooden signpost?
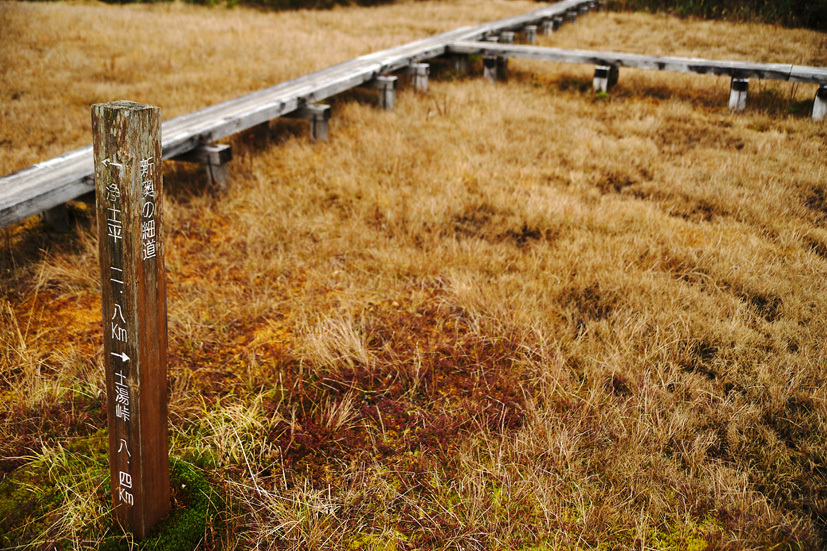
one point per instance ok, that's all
(128, 187)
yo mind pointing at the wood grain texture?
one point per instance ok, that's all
(127, 161)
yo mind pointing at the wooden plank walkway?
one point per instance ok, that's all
(51, 183)
(735, 69)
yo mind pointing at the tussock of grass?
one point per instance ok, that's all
(498, 317)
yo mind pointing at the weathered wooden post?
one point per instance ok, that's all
(556, 22)
(605, 77)
(419, 75)
(128, 188)
(530, 34)
(738, 94)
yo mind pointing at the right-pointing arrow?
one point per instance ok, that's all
(122, 356)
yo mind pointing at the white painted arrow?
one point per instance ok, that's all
(122, 356)
(107, 163)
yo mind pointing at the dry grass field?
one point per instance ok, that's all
(507, 317)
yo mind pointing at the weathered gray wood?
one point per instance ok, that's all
(737, 69)
(547, 27)
(489, 68)
(387, 90)
(214, 158)
(50, 183)
(57, 218)
(507, 38)
(419, 74)
(605, 77)
(571, 15)
(318, 115)
(128, 186)
(820, 104)
(530, 34)
(738, 94)
(460, 62)
(557, 22)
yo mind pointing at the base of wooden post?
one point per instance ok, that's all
(547, 27)
(571, 15)
(820, 104)
(605, 77)
(57, 218)
(387, 91)
(530, 34)
(738, 94)
(318, 115)
(419, 75)
(214, 157)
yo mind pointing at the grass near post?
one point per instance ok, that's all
(499, 317)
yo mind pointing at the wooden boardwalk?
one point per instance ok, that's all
(51, 183)
(735, 69)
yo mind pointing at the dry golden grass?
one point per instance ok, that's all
(499, 317)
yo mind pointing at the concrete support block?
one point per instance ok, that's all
(738, 94)
(605, 77)
(820, 104)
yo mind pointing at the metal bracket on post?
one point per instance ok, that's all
(820, 103)
(605, 77)
(419, 74)
(738, 94)
(214, 157)
(387, 90)
(318, 115)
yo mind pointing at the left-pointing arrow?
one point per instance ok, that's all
(122, 356)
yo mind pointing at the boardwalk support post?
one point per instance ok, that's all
(489, 67)
(214, 158)
(128, 189)
(605, 77)
(738, 94)
(820, 103)
(387, 90)
(507, 38)
(556, 22)
(460, 62)
(419, 75)
(57, 218)
(531, 34)
(318, 115)
(571, 15)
